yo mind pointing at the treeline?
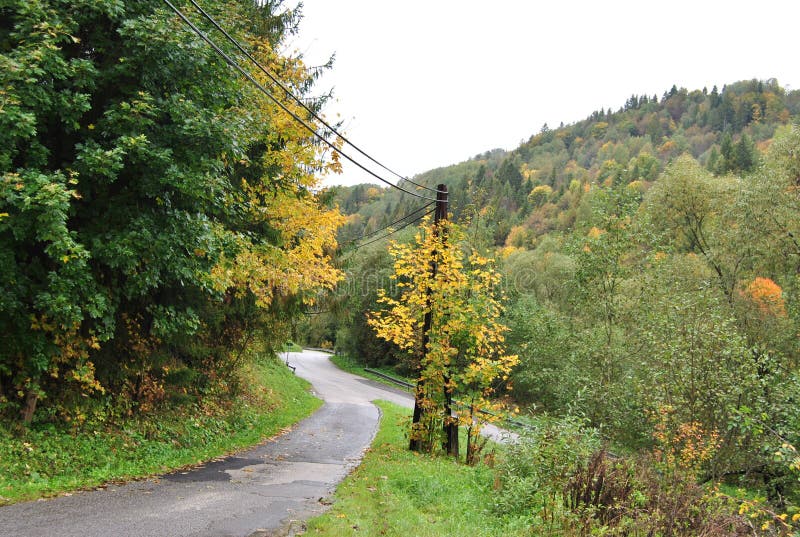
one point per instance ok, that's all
(723, 129)
(652, 287)
(156, 211)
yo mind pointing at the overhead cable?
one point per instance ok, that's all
(299, 101)
(387, 226)
(395, 230)
(283, 107)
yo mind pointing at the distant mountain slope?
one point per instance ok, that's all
(535, 189)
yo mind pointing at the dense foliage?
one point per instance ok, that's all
(156, 211)
(650, 259)
(447, 320)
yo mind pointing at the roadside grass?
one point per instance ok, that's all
(291, 346)
(397, 492)
(351, 365)
(46, 460)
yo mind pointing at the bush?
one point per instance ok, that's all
(628, 496)
(530, 474)
(565, 482)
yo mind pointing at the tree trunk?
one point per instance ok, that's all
(450, 427)
(415, 443)
(30, 407)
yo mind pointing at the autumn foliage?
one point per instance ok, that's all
(465, 356)
(767, 296)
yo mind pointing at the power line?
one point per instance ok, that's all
(387, 226)
(395, 230)
(283, 107)
(300, 101)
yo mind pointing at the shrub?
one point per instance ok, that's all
(629, 496)
(530, 474)
(565, 482)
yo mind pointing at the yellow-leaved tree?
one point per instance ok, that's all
(462, 361)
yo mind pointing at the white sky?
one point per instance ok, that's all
(427, 83)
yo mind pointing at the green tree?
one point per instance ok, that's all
(546, 272)
(598, 308)
(546, 375)
(366, 271)
(695, 359)
(745, 155)
(771, 205)
(156, 209)
(695, 209)
(726, 150)
(540, 195)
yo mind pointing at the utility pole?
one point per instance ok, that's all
(416, 443)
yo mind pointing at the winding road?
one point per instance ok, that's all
(253, 493)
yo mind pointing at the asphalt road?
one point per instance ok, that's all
(252, 493)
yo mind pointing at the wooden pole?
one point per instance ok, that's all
(440, 214)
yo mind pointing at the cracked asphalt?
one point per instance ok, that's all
(261, 491)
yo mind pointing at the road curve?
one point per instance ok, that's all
(251, 493)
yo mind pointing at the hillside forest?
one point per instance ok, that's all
(650, 262)
(629, 283)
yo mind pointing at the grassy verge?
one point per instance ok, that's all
(397, 492)
(351, 365)
(291, 346)
(47, 460)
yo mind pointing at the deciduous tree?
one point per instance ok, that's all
(465, 356)
(156, 208)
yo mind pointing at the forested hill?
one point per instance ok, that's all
(650, 267)
(535, 188)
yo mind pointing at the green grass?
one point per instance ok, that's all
(291, 346)
(47, 460)
(395, 492)
(351, 365)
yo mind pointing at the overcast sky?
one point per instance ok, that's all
(421, 84)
